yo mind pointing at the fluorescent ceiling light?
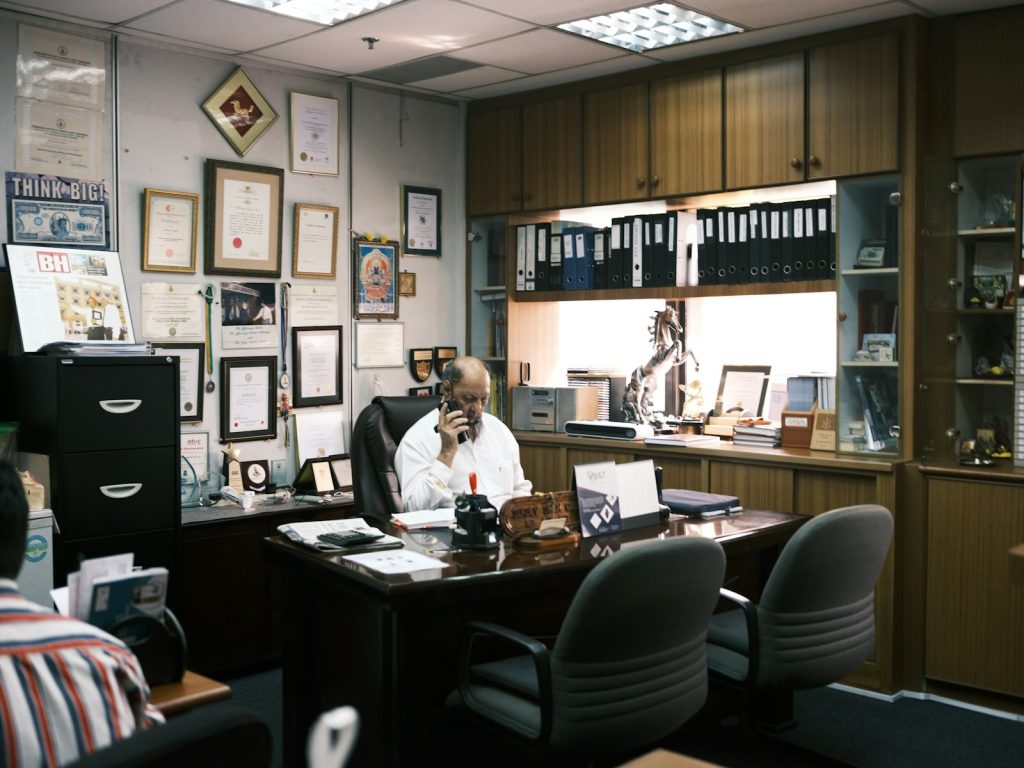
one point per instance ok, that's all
(327, 12)
(653, 26)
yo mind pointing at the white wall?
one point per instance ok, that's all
(163, 139)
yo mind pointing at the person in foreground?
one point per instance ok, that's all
(433, 466)
(66, 687)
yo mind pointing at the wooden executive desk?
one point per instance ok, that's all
(387, 645)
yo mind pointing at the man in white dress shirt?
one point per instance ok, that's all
(433, 466)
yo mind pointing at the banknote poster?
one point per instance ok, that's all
(56, 210)
(66, 294)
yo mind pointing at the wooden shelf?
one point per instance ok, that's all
(681, 292)
(871, 272)
(870, 364)
(987, 382)
(487, 290)
(990, 233)
(981, 311)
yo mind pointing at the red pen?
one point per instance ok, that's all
(472, 483)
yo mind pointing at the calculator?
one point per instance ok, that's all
(348, 538)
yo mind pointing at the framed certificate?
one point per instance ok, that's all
(190, 373)
(248, 386)
(244, 208)
(380, 345)
(317, 361)
(314, 135)
(743, 387)
(195, 450)
(374, 279)
(315, 241)
(319, 434)
(170, 229)
(421, 221)
(239, 111)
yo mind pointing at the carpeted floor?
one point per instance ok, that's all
(836, 729)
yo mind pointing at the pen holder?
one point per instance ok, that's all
(476, 522)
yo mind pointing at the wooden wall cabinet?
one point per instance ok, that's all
(615, 145)
(493, 161)
(686, 134)
(853, 107)
(989, 83)
(975, 615)
(764, 122)
(552, 154)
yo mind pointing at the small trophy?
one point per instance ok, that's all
(232, 470)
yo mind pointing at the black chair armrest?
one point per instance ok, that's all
(750, 616)
(537, 650)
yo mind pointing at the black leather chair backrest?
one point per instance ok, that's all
(375, 438)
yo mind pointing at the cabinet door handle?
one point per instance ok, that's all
(655, 181)
(119, 406)
(796, 163)
(120, 491)
(639, 181)
(813, 161)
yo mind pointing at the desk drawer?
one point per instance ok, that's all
(100, 494)
(107, 407)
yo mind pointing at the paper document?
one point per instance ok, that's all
(306, 534)
(426, 518)
(395, 561)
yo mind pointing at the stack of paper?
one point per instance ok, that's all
(442, 517)
(106, 590)
(682, 440)
(768, 434)
(306, 534)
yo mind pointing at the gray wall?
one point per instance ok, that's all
(387, 139)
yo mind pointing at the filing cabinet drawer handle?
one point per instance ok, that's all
(120, 491)
(119, 406)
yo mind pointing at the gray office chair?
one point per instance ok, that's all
(815, 622)
(627, 667)
(212, 737)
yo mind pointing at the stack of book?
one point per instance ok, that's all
(760, 433)
(683, 440)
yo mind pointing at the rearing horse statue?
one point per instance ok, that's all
(667, 338)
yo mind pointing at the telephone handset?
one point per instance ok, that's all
(454, 406)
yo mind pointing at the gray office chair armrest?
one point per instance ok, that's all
(753, 640)
(537, 650)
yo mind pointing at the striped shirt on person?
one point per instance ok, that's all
(67, 688)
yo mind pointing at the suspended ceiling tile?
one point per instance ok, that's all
(598, 69)
(541, 50)
(473, 78)
(758, 14)
(102, 11)
(547, 12)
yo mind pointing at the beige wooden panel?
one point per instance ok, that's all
(615, 144)
(552, 154)
(681, 473)
(493, 149)
(545, 467)
(989, 84)
(853, 107)
(764, 122)
(817, 492)
(975, 616)
(686, 134)
(758, 487)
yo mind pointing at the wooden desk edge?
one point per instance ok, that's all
(193, 691)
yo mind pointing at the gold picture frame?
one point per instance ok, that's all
(170, 231)
(239, 111)
(315, 241)
(237, 196)
(406, 283)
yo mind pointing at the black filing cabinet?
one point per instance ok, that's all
(109, 426)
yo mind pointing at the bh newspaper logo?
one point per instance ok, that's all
(36, 548)
(53, 261)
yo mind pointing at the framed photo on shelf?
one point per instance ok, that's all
(239, 111)
(406, 283)
(244, 208)
(317, 362)
(743, 387)
(190, 372)
(421, 221)
(247, 399)
(170, 230)
(314, 135)
(374, 279)
(315, 241)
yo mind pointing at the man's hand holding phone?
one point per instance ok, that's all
(453, 428)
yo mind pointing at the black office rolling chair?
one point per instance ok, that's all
(628, 665)
(815, 622)
(206, 738)
(378, 431)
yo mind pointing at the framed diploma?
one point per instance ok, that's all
(170, 230)
(319, 434)
(374, 279)
(315, 241)
(314, 136)
(248, 386)
(190, 374)
(742, 388)
(244, 208)
(317, 362)
(421, 221)
(239, 111)
(195, 447)
(380, 345)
